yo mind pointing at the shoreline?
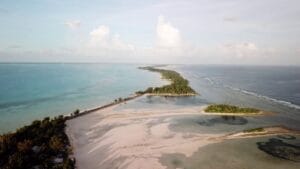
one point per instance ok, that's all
(266, 131)
(100, 136)
(260, 113)
(171, 94)
(116, 102)
(178, 86)
(137, 138)
(136, 95)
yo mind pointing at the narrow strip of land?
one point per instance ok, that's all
(179, 86)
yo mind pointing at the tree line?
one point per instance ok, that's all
(42, 144)
(178, 85)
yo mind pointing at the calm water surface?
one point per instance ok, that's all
(33, 91)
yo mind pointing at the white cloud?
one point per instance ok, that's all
(241, 50)
(75, 24)
(102, 43)
(99, 37)
(167, 34)
(169, 46)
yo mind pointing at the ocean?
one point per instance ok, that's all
(34, 91)
(274, 89)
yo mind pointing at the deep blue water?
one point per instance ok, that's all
(33, 91)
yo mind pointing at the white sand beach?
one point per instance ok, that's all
(129, 138)
(135, 138)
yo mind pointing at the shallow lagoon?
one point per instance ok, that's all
(233, 154)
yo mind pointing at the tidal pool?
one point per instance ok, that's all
(271, 152)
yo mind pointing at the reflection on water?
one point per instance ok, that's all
(231, 120)
(240, 153)
(179, 101)
(281, 149)
(158, 102)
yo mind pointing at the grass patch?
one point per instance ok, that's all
(224, 108)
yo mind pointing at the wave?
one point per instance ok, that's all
(282, 102)
(209, 80)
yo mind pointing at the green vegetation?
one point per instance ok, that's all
(223, 108)
(76, 112)
(259, 129)
(178, 86)
(43, 144)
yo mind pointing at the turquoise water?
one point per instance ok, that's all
(274, 89)
(33, 91)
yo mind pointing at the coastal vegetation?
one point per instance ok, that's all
(179, 85)
(42, 144)
(224, 108)
(259, 129)
(76, 112)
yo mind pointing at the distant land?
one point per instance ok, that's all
(63, 143)
(178, 87)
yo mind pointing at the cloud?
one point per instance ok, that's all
(99, 37)
(167, 35)
(168, 45)
(75, 24)
(241, 50)
(102, 43)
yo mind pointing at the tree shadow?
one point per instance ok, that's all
(230, 120)
(280, 149)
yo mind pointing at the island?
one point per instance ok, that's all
(178, 87)
(224, 109)
(84, 135)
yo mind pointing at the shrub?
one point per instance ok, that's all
(24, 146)
(56, 144)
(76, 112)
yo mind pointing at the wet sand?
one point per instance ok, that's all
(137, 138)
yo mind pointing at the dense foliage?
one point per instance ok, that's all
(178, 85)
(43, 144)
(223, 108)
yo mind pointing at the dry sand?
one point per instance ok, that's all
(133, 138)
(130, 138)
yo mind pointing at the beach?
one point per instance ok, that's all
(166, 124)
(124, 137)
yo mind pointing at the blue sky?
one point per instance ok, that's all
(165, 31)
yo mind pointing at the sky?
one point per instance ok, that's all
(256, 32)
